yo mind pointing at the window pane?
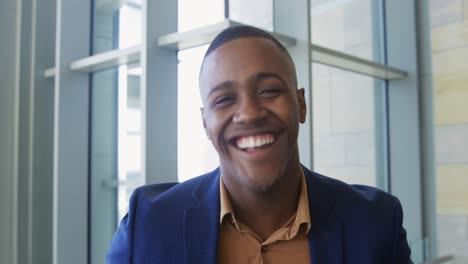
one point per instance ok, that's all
(196, 155)
(116, 24)
(350, 26)
(449, 27)
(115, 151)
(347, 138)
(258, 13)
(195, 14)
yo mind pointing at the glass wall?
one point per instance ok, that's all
(115, 142)
(258, 13)
(196, 14)
(344, 123)
(116, 122)
(348, 108)
(116, 24)
(195, 153)
(449, 30)
(349, 26)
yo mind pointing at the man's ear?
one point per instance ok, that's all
(202, 112)
(300, 93)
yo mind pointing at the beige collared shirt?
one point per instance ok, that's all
(289, 244)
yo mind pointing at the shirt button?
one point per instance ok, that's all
(264, 248)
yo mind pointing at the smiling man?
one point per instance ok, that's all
(260, 205)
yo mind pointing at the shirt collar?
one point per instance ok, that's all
(301, 218)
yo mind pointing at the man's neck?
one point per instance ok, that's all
(266, 211)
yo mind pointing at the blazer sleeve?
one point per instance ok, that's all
(401, 250)
(121, 248)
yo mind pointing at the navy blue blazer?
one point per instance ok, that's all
(350, 224)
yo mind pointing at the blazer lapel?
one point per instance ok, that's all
(201, 223)
(325, 237)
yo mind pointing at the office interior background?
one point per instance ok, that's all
(100, 96)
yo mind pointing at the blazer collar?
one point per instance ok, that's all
(325, 237)
(201, 222)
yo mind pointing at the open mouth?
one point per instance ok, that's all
(246, 143)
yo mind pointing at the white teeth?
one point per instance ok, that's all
(251, 142)
(258, 142)
(254, 141)
(240, 144)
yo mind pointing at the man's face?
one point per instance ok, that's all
(252, 109)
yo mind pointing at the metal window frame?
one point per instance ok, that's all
(159, 93)
(427, 130)
(41, 111)
(107, 60)
(405, 118)
(355, 64)
(204, 35)
(70, 147)
(11, 16)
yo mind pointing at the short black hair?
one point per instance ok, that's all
(242, 31)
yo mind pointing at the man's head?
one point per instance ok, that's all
(251, 107)
(237, 32)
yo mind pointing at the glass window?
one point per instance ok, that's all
(258, 13)
(129, 151)
(115, 165)
(196, 155)
(196, 14)
(349, 26)
(116, 24)
(115, 130)
(195, 152)
(449, 27)
(347, 138)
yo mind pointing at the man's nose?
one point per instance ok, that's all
(250, 111)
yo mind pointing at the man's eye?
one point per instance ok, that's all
(222, 101)
(270, 92)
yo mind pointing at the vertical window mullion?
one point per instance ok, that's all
(71, 106)
(159, 93)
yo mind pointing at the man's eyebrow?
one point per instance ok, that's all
(265, 75)
(223, 85)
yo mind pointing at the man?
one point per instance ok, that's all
(260, 205)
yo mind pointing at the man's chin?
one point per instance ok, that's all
(261, 182)
(262, 178)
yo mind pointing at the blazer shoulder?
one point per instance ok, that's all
(167, 194)
(154, 221)
(150, 192)
(355, 199)
(374, 216)
(369, 216)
